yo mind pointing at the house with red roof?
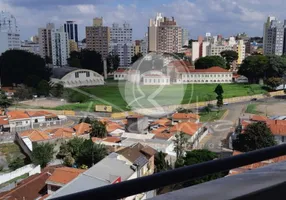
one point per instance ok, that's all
(121, 74)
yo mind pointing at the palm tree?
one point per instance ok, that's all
(98, 129)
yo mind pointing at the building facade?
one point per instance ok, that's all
(169, 36)
(274, 37)
(152, 32)
(185, 37)
(60, 47)
(9, 34)
(45, 40)
(30, 47)
(121, 43)
(71, 28)
(97, 38)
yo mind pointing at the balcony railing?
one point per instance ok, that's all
(158, 180)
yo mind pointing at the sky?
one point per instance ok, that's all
(226, 17)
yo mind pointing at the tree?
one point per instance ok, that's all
(210, 61)
(274, 82)
(196, 157)
(85, 120)
(74, 146)
(255, 136)
(16, 163)
(57, 90)
(74, 59)
(69, 161)
(65, 150)
(23, 92)
(42, 154)
(219, 91)
(17, 65)
(180, 144)
(229, 56)
(91, 60)
(136, 57)
(91, 153)
(48, 60)
(113, 62)
(43, 88)
(98, 129)
(4, 101)
(160, 162)
(254, 67)
(32, 81)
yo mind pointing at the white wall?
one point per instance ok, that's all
(206, 78)
(31, 169)
(195, 51)
(120, 76)
(3, 42)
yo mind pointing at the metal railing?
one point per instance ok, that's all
(158, 180)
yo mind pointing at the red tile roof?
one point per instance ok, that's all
(254, 165)
(4, 120)
(162, 133)
(189, 128)
(121, 70)
(162, 122)
(107, 139)
(17, 115)
(82, 128)
(259, 118)
(214, 69)
(112, 126)
(35, 135)
(64, 175)
(41, 113)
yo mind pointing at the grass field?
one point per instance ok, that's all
(168, 95)
(211, 116)
(251, 108)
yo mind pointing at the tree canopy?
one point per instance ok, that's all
(274, 82)
(4, 101)
(43, 88)
(42, 154)
(113, 61)
(136, 57)
(255, 136)
(262, 67)
(17, 65)
(210, 61)
(98, 129)
(229, 56)
(160, 162)
(219, 91)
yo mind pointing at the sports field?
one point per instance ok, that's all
(122, 98)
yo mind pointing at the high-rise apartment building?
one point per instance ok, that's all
(121, 42)
(169, 36)
(60, 47)
(240, 49)
(45, 40)
(31, 47)
(274, 33)
(9, 33)
(199, 48)
(71, 28)
(98, 37)
(152, 32)
(185, 37)
(34, 39)
(98, 21)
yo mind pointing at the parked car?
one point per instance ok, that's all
(254, 99)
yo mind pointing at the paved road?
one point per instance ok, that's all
(219, 130)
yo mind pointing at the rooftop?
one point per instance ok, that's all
(17, 115)
(64, 175)
(82, 128)
(189, 128)
(185, 116)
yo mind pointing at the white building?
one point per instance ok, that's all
(9, 33)
(30, 47)
(121, 42)
(155, 77)
(73, 77)
(60, 47)
(199, 49)
(185, 37)
(120, 74)
(144, 45)
(202, 76)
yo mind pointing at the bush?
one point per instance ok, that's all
(77, 97)
(69, 161)
(16, 163)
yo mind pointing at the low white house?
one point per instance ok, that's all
(155, 77)
(202, 76)
(120, 74)
(73, 77)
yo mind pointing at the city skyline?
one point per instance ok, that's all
(198, 17)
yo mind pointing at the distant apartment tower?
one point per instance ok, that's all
(31, 47)
(34, 39)
(169, 36)
(98, 21)
(60, 47)
(273, 42)
(71, 28)
(9, 33)
(199, 48)
(241, 50)
(185, 37)
(45, 40)
(121, 43)
(98, 37)
(152, 32)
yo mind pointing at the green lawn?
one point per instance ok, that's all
(168, 95)
(251, 108)
(11, 151)
(211, 116)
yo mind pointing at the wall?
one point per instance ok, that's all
(31, 169)
(22, 144)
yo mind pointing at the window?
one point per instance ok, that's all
(87, 74)
(76, 75)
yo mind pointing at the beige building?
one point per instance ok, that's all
(45, 41)
(73, 45)
(98, 37)
(97, 21)
(164, 35)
